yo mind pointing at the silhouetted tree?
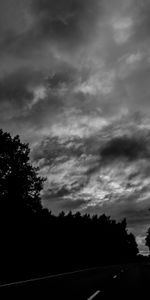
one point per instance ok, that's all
(20, 185)
(20, 188)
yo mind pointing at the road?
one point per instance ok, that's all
(116, 282)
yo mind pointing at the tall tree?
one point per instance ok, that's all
(20, 184)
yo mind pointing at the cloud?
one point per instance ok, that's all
(14, 87)
(51, 24)
(73, 44)
(73, 205)
(18, 91)
(100, 83)
(141, 28)
(66, 22)
(99, 164)
(130, 148)
(122, 29)
(39, 93)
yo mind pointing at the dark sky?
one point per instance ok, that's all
(75, 84)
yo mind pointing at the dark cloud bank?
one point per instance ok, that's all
(65, 21)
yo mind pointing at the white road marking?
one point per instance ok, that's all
(94, 295)
(45, 277)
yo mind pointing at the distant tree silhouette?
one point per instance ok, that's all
(20, 185)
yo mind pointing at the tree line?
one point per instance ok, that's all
(33, 241)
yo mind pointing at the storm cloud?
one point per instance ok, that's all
(17, 86)
(130, 148)
(66, 22)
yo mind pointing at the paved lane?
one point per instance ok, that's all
(115, 282)
(131, 284)
(74, 285)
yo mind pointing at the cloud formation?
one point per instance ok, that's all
(66, 22)
(107, 171)
(130, 148)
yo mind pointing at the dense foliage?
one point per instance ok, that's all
(19, 184)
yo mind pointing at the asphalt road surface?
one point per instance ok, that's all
(114, 282)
